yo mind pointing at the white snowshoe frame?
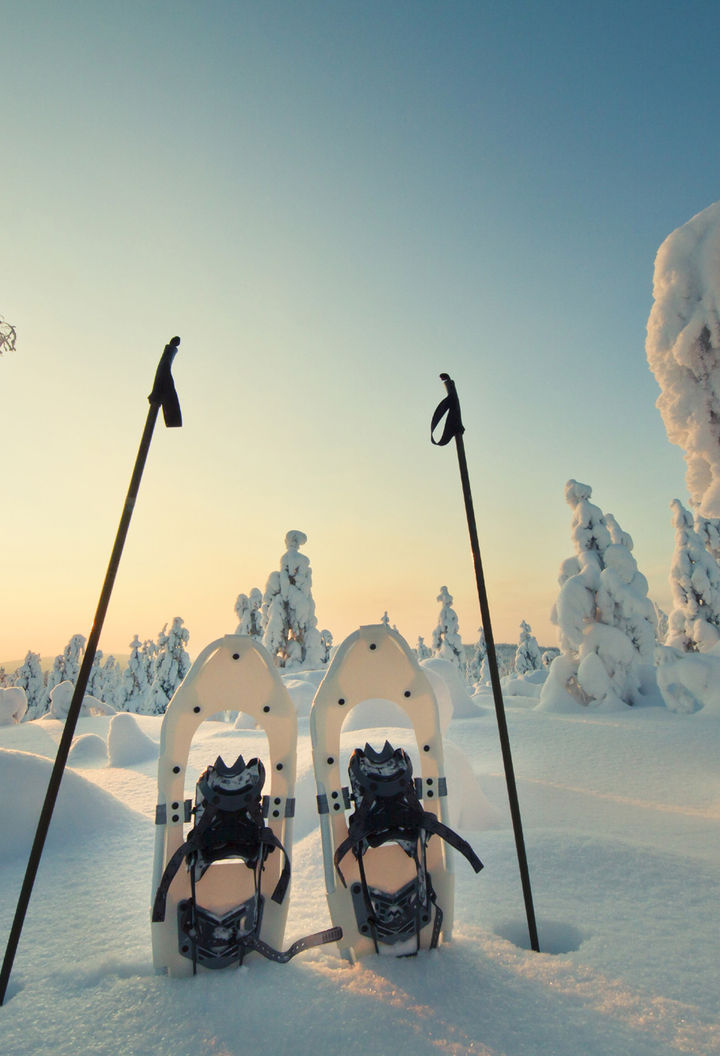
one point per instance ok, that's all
(376, 662)
(231, 674)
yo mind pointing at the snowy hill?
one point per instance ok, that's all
(622, 824)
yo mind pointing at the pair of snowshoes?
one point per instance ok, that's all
(389, 889)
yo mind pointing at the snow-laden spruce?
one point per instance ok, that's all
(105, 680)
(66, 666)
(688, 665)
(446, 642)
(694, 622)
(683, 350)
(605, 620)
(171, 665)
(477, 657)
(30, 678)
(421, 649)
(527, 655)
(137, 676)
(248, 609)
(291, 635)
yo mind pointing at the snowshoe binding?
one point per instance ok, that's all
(394, 895)
(210, 888)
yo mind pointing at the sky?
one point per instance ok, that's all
(331, 204)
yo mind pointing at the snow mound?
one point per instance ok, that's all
(82, 811)
(378, 714)
(244, 722)
(61, 698)
(462, 705)
(689, 682)
(127, 744)
(522, 687)
(302, 693)
(470, 809)
(88, 750)
(13, 705)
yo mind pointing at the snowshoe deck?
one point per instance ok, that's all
(394, 893)
(218, 897)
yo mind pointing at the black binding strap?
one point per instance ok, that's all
(253, 943)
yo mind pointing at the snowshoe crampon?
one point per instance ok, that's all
(222, 892)
(389, 885)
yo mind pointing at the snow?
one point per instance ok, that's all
(683, 348)
(621, 815)
(13, 705)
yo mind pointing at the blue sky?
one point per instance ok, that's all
(331, 203)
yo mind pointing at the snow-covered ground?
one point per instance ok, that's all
(622, 824)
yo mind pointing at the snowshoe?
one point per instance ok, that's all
(394, 894)
(222, 892)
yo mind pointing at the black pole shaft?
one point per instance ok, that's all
(80, 687)
(498, 698)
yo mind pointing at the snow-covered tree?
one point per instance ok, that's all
(527, 654)
(29, 677)
(694, 623)
(683, 350)
(172, 663)
(248, 609)
(107, 683)
(661, 619)
(475, 663)
(326, 640)
(95, 676)
(708, 528)
(605, 620)
(422, 651)
(446, 638)
(291, 635)
(137, 676)
(66, 666)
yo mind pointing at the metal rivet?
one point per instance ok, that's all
(341, 701)
(330, 760)
(276, 813)
(276, 801)
(334, 795)
(336, 806)
(373, 645)
(236, 656)
(279, 766)
(196, 710)
(175, 817)
(426, 747)
(430, 793)
(266, 708)
(175, 806)
(176, 769)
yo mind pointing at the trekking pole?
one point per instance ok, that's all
(454, 428)
(163, 394)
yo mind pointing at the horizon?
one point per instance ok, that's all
(332, 206)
